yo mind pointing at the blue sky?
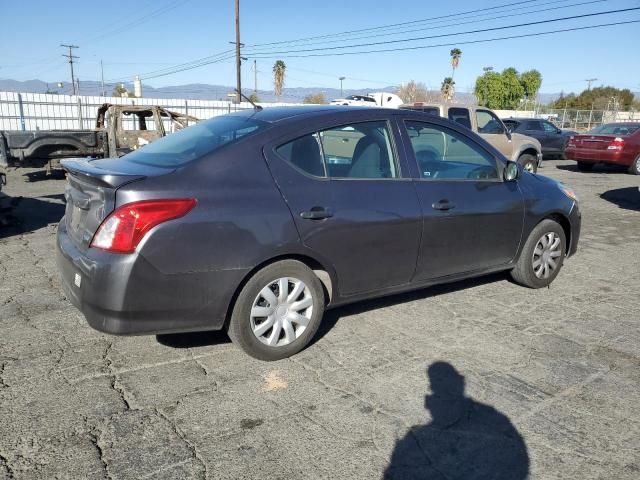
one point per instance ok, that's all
(170, 32)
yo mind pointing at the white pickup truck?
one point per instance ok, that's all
(377, 99)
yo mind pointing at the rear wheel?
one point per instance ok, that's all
(278, 311)
(542, 256)
(635, 166)
(585, 166)
(528, 162)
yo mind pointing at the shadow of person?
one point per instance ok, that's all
(465, 439)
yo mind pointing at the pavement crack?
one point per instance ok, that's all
(115, 383)
(194, 451)
(95, 441)
(5, 463)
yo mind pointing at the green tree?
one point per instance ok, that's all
(531, 81)
(279, 69)
(599, 98)
(455, 53)
(507, 89)
(317, 98)
(448, 88)
(254, 98)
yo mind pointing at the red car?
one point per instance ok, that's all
(613, 143)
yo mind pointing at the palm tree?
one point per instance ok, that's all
(278, 77)
(456, 53)
(448, 88)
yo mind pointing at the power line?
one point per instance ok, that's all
(473, 19)
(394, 24)
(480, 30)
(465, 42)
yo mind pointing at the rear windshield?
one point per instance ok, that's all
(194, 142)
(615, 129)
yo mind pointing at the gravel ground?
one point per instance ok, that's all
(476, 379)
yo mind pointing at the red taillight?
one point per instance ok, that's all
(617, 144)
(123, 229)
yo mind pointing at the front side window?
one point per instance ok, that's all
(549, 127)
(443, 154)
(357, 151)
(488, 123)
(461, 116)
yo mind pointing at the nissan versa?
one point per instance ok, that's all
(258, 221)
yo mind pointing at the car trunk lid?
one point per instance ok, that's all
(90, 192)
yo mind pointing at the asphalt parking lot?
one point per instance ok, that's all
(480, 379)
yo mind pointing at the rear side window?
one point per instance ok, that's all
(305, 154)
(194, 142)
(461, 116)
(359, 150)
(534, 126)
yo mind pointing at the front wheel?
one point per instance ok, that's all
(542, 256)
(278, 311)
(529, 162)
(634, 168)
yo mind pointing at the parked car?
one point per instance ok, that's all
(258, 221)
(612, 143)
(552, 139)
(119, 129)
(527, 151)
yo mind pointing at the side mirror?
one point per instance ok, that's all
(511, 172)
(508, 134)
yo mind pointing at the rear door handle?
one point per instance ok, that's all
(316, 213)
(443, 205)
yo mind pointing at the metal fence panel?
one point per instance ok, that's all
(39, 111)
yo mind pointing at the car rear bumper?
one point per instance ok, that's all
(613, 157)
(126, 295)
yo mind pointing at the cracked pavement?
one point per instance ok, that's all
(551, 375)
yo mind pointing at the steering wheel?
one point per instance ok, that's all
(484, 172)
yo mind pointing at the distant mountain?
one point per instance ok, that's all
(194, 91)
(202, 91)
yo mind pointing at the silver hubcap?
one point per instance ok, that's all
(528, 167)
(546, 255)
(281, 312)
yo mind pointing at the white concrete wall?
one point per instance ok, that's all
(39, 111)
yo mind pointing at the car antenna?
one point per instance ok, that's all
(255, 107)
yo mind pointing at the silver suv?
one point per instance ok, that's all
(519, 148)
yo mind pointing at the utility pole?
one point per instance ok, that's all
(238, 59)
(70, 56)
(589, 82)
(255, 77)
(341, 79)
(104, 93)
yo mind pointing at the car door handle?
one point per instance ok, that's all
(316, 213)
(443, 205)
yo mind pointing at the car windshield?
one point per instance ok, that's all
(194, 142)
(613, 129)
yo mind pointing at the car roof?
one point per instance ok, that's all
(277, 114)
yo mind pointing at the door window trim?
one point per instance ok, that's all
(498, 163)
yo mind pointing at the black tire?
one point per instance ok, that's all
(528, 162)
(585, 166)
(240, 325)
(634, 168)
(524, 272)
